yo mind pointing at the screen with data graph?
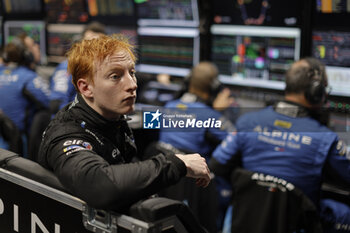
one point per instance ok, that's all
(66, 11)
(60, 38)
(112, 12)
(180, 13)
(34, 29)
(168, 50)
(1, 31)
(332, 13)
(333, 49)
(129, 32)
(254, 56)
(258, 12)
(333, 6)
(22, 6)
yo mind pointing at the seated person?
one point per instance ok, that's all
(10, 137)
(287, 140)
(89, 145)
(22, 91)
(62, 88)
(198, 101)
(202, 102)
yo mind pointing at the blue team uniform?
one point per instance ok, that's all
(22, 92)
(61, 85)
(293, 148)
(200, 139)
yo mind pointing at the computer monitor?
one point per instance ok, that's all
(1, 32)
(129, 31)
(333, 49)
(34, 29)
(258, 12)
(330, 13)
(254, 56)
(340, 123)
(63, 11)
(60, 38)
(173, 51)
(331, 6)
(17, 7)
(180, 13)
(112, 12)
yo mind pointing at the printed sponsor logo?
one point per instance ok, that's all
(273, 183)
(115, 152)
(95, 136)
(278, 138)
(71, 148)
(75, 145)
(87, 145)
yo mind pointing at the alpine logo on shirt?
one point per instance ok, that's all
(292, 140)
(272, 182)
(7, 79)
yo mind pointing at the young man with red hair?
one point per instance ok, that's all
(89, 145)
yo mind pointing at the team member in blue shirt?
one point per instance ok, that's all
(203, 103)
(287, 141)
(62, 88)
(22, 91)
(196, 102)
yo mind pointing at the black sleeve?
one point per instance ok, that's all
(88, 176)
(54, 106)
(11, 134)
(225, 170)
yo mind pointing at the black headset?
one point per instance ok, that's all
(214, 87)
(316, 91)
(27, 57)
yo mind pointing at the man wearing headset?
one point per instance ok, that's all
(22, 91)
(203, 100)
(288, 141)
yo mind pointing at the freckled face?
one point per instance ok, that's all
(114, 88)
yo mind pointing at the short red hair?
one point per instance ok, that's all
(84, 56)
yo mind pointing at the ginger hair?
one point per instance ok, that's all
(86, 55)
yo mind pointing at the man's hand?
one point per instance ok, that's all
(196, 168)
(223, 100)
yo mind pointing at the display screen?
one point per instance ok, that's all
(129, 32)
(340, 123)
(252, 56)
(333, 49)
(257, 12)
(63, 11)
(168, 50)
(116, 12)
(1, 34)
(22, 6)
(333, 6)
(168, 13)
(60, 38)
(332, 13)
(34, 29)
